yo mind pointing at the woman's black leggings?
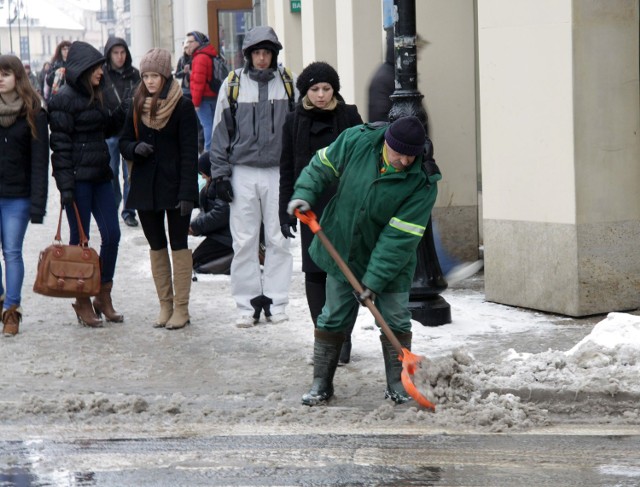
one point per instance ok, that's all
(153, 228)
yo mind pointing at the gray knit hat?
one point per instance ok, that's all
(156, 60)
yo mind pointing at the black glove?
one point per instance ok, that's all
(287, 228)
(143, 149)
(186, 207)
(67, 197)
(224, 191)
(37, 218)
(364, 295)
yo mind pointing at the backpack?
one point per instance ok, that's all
(233, 87)
(218, 73)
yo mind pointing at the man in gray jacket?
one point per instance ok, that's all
(245, 165)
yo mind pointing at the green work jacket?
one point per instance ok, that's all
(375, 221)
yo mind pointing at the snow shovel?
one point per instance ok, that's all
(410, 361)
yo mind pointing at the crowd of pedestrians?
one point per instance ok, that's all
(266, 143)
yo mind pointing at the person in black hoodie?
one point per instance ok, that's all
(320, 116)
(120, 81)
(24, 163)
(160, 136)
(214, 254)
(80, 125)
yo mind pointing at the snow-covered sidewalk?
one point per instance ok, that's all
(131, 378)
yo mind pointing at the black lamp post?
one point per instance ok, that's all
(425, 302)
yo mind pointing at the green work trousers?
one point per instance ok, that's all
(341, 308)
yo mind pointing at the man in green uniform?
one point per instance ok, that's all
(387, 185)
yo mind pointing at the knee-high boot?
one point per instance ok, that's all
(326, 350)
(182, 266)
(161, 271)
(345, 353)
(393, 367)
(104, 306)
(316, 296)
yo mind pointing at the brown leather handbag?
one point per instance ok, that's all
(68, 271)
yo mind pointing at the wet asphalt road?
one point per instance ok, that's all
(361, 460)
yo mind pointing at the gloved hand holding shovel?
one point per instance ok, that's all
(410, 361)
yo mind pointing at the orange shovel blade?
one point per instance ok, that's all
(410, 362)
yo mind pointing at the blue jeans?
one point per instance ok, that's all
(115, 163)
(14, 218)
(205, 115)
(97, 199)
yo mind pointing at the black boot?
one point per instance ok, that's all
(345, 353)
(316, 296)
(393, 368)
(326, 350)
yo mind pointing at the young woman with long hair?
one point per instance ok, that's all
(160, 137)
(79, 126)
(57, 73)
(24, 163)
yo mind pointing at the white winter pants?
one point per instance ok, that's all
(255, 200)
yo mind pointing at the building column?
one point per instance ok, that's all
(288, 28)
(358, 30)
(560, 107)
(141, 29)
(319, 31)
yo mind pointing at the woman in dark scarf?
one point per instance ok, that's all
(319, 117)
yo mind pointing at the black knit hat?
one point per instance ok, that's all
(204, 164)
(406, 136)
(318, 72)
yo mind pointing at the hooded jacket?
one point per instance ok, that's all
(79, 125)
(118, 83)
(201, 72)
(375, 221)
(262, 105)
(382, 85)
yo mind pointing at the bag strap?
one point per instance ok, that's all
(135, 122)
(287, 80)
(84, 241)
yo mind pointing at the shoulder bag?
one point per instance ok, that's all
(68, 271)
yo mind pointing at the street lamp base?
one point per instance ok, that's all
(433, 311)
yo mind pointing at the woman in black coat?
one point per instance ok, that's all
(24, 163)
(320, 116)
(80, 124)
(160, 137)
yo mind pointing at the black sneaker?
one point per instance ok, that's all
(131, 221)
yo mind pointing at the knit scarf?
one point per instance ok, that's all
(165, 107)
(304, 118)
(9, 110)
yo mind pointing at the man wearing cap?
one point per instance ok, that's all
(245, 165)
(202, 53)
(386, 189)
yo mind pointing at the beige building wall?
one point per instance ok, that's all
(447, 79)
(559, 111)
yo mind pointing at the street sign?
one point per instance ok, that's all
(295, 6)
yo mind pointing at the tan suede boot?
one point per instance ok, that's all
(11, 319)
(161, 270)
(86, 314)
(103, 305)
(182, 270)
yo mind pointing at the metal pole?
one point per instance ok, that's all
(425, 302)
